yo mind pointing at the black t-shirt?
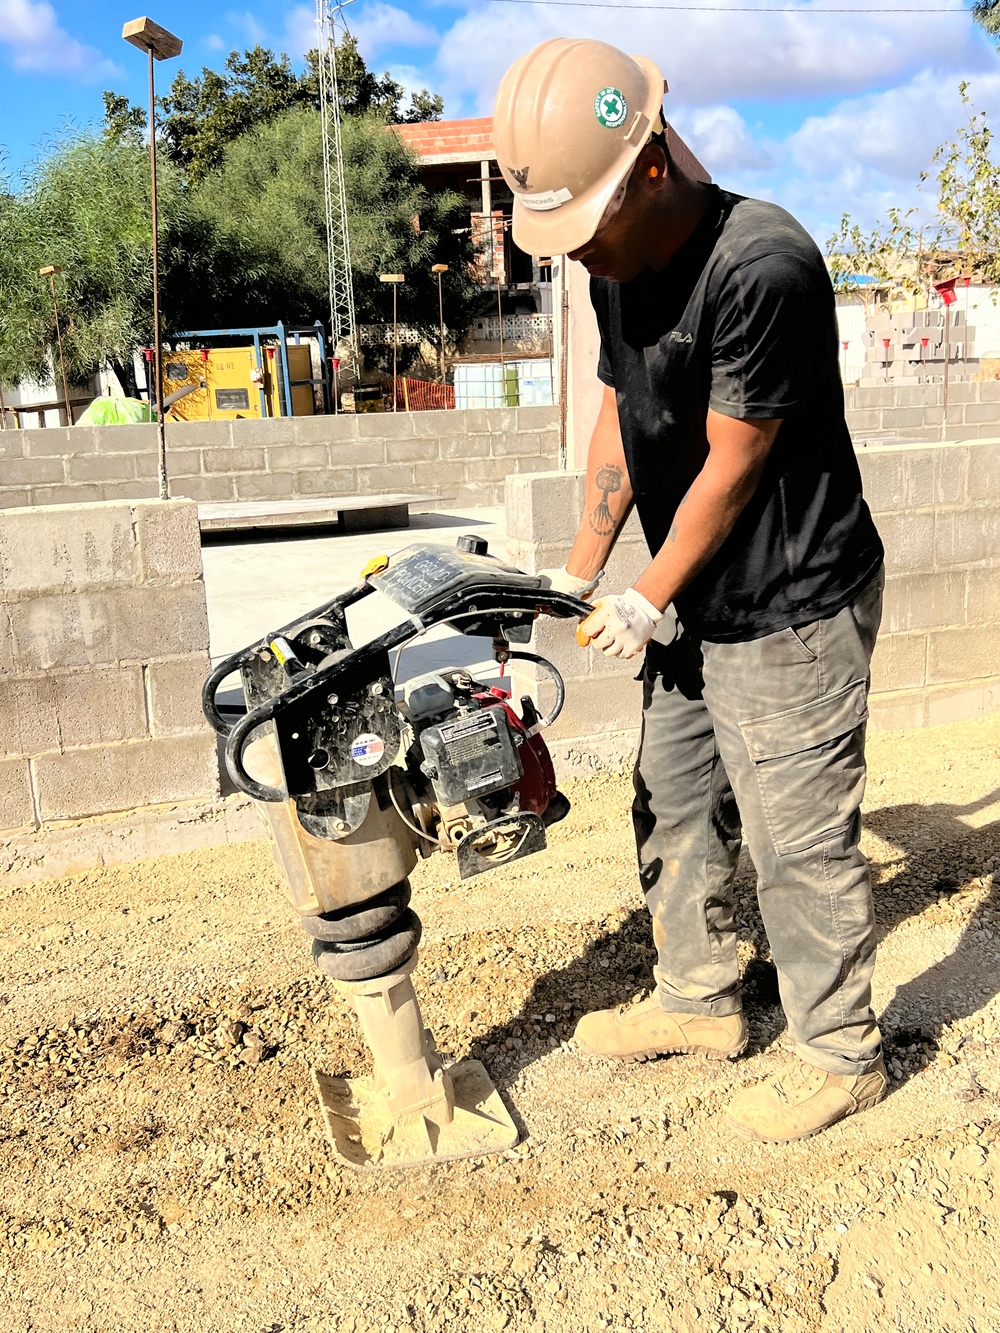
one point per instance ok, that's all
(742, 320)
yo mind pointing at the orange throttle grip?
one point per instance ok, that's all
(582, 637)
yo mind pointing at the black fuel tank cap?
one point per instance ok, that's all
(472, 544)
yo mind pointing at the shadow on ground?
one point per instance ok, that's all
(938, 856)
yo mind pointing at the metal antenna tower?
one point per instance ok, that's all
(338, 242)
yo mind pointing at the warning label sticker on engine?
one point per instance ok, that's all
(469, 726)
(367, 749)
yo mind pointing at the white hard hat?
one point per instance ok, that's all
(570, 119)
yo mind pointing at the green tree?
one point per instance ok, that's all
(266, 201)
(987, 15)
(199, 118)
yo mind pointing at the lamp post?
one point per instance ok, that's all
(159, 45)
(439, 269)
(394, 279)
(50, 271)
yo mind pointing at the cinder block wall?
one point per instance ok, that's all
(917, 410)
(938, 657)
(454, 458)
(103, 648)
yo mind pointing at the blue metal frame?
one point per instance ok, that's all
(282, 332)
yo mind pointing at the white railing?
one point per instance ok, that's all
(380, 335)
(516, 328)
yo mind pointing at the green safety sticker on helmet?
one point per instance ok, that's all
(610, 107)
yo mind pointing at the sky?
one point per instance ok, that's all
(825, 113)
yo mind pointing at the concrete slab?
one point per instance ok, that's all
(258, 584)
(353, 513)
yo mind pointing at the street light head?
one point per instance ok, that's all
(149, 36)
(50, 270)
(392, 277)
(439, 268)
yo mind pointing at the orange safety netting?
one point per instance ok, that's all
(417, 396)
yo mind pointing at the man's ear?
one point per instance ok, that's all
(652, 167)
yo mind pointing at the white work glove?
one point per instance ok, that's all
(561, 580)
(620, 626)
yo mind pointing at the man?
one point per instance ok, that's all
(723, 423)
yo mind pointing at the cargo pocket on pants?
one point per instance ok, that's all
(810, 766)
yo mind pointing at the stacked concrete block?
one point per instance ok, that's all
(103, 648)
(454, 458)
(937, 508)
(910, 348)
(880, 412)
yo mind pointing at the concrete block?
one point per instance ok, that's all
(923, 601)
(899, 662)
(107, 627)
(266, 485)
(17, 807)
(475, 495)
(63, 709)
(464, 446)
(984, 473)
(896, 711)
(962, 654)
(33, 471)
(180, 463)
(355, 453)
(335, 481)
(902, 418)
(11, 498)
(959, 393)
(951, 474)
(436, 478)
(387, 425)
(987, 391)
(860, 422)
(487, 469)
(101, 467)
(127, 439)
(102, 778)
(169, 540)
(11, 444)
(75, 494)
(876, 396)
(983, 414)
(966, 536)
(917, 395)
(544, 507)
(599, 704)
(339, 429)
(56, 441)
(235, 460)
(438, 424)
(388, 477)
(515, 443)
(216, 488)
(982, 596)
(536, 463)
(56, 548)
(174, 693)
(198, 435)
(954, 705)
(292, 457)
(412, 449)
(909, 540)
(270, 431)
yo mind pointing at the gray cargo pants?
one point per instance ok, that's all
(767, 734)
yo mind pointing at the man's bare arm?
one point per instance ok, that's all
(737, 452)
(609, 494)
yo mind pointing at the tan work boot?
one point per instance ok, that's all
(800, 1100)
(645, 1030)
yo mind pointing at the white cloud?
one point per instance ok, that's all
(252, 31)
(721, 139)
(710, 56)
(214, 42)
(35, 41)
(380, 26)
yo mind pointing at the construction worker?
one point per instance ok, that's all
(722, 423)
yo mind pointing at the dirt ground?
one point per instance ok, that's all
(163, 1166)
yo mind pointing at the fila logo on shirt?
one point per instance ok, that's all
(675, 336)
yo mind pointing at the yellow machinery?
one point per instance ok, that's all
(281, 372)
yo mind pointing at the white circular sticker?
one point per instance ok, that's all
(611, 108)
(367, 749)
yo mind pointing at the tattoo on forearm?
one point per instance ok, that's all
(609, 481)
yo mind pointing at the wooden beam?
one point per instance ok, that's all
(149, 36)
